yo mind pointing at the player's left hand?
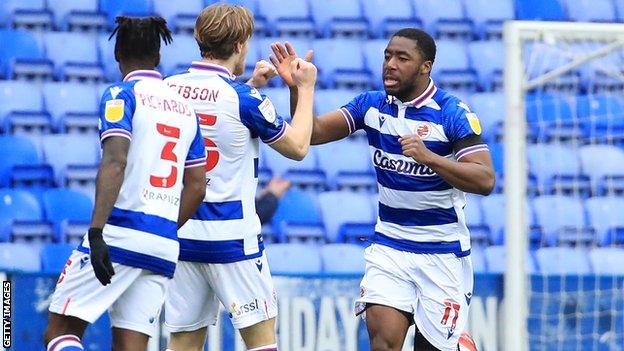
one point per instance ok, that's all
(283, 55)
(415, 148)
(263, 72)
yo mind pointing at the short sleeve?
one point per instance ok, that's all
(463, 130)
(258, 114)
(116, 110)
(355, 111)
(197, 151)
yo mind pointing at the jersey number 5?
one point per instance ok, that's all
(167, 154)
(212, 155)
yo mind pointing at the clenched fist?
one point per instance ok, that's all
(303, 73)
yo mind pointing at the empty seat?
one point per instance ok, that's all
(293, 19)
(601, 116)
(67, 205)
(343, 258)
(19, 257)
(550, 116)
(489, 55)
(79, 159)
(493, 207)
(25, 14)
(341, 63)
(544, 10)
(473, 214)
(374, 56)
(71, 102)
(562, 219)
(488, 16)
(347, 163)
(177, 57)
(304, 173)
(451, 68)
(294, 258)
(490, 107)
(495, 258)
(605, 215)
(114, 8)
(444, 18)
(26, 216)
(556, 167)
(591, 10)
(180, 15)
(77, 14)
(478, 259)
(562, 260)
(23, 152)
(21, 56)
(339, 18)
(21, 108)
(75, 56)
(54, 256)
(388, 16)
(607, 260)
(297, 217)
(605, 176)
(343, 208)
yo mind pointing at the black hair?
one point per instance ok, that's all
(139, 38)
(424, 42)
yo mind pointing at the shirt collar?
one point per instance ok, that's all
(143, 74)
(419, 101)
(211, 67)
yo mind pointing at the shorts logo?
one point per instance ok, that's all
(83, 261)
(114, 110)
(362, 291)
(259, 264)
(468, 296)
(237, 311)
(424, 130)
(451, 314)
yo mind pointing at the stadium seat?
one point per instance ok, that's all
(347, 163)
(177, 57)
(478, 259)
(297, 217)
(77, 14)
(549, 116)
(607, 260)
(606, 177)
(106, 49)
(591, 10)
(605, 215)
(488, 55)
(388, 16)
(75, 56)
(619, 7)
(493, 207)
(451, 69)
(77, 162)
(54, 256)
(562, 260)
(114, 8)
(68, 210)
(374, 56)
(31, 14)
(601, 117)
(19, 257)
(23, 152)
(26, 215)
(339, 18)
(342, 258)
(540, 10)
(72, 103)
(21, 108)
(473, 214)
(497, 152)
(562, 219)
(327, 100)
(444, 18)
(341, 209)
(495, 258)
(490, 107)
(294, 259)
(21, 56)
(341, 63)
(489, 16)
(557, 168)
(304, 173)
(180, 15)
(293, 19)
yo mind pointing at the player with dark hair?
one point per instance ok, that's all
(427, 151)
(149, 183)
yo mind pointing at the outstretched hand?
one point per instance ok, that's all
(282, 57)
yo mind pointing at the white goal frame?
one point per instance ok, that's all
(516, 84)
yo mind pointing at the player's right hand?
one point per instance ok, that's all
(303, 73)
(100, 259)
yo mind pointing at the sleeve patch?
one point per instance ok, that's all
(114, 110)
(268, 111)
(473, 120)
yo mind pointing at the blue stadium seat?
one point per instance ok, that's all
(619, 7)
(25, 14)
(294, 258)
(451, 69)
(341, 209)
(304, 173)
(343, 258)
(71, 103)
(63, 205)
(341, 63)
(327, 100)
(473, 214)
(177, 57)
(601, 117)
(114, 8)
(54, 256)
(180, 15)
(388, 16)
(293, 19)
(607, 260)
(495, 258)
(374, 55)
(562, 260)
(478, 259)
(444, 18)
(106, 49)
(497, 152)
(26, 214)
(488, 57)
(591, 10)
(347, 164)
(493, 207)
(540, 10)
(297, 217)
(549, 116)
(557, 168)
(606, 177)
(75, 56)
(21, 108)
(23, 152)
(490, 107)
(339, 18)
(489, 16)
(562, 219)
(605, 215)
(77, 162)
(19, 257)
(22, 57)
(77, 14)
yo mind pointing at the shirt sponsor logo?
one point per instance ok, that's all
(401, 166)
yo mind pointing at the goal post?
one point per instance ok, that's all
(545, 59)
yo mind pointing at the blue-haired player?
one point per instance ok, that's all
(427, 151)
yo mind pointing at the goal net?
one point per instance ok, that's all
(564, 186)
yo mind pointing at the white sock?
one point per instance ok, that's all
(272, 347)
(65, 343)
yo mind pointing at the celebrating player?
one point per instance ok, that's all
(221, 250)
(150, 181)
(427, 151)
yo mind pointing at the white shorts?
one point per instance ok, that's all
(244, 288)
(435, 288)
(133, 298)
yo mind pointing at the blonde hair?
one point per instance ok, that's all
(220, 27)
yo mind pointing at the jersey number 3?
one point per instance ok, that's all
(212, 155)
(168, 155)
